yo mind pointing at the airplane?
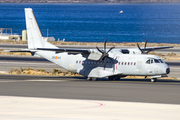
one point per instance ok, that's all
(96, 63)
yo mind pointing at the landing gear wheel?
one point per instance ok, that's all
(94, 79)
(111, 78)
(153, 79)
(117, 78)
(88, 79)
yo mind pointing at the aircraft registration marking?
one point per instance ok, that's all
(56, 57)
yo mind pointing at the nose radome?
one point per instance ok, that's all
(167, 70)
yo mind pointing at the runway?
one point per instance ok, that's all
(136, 90)
(72, 98)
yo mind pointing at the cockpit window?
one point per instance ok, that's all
(161, 61)
(148, 61)
(156, 61)
(152, 61)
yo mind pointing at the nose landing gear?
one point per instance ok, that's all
(153, 79)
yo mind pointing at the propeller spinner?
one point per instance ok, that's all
(105, 54)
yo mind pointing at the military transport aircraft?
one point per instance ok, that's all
(96, 63)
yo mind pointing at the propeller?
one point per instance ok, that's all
(105, 54)
(143, 51)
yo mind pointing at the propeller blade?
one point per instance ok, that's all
(104, 63)
(99, 50)
(105, 45)
(139, 48)
(145, 45)
(111, 60)
(110, 49)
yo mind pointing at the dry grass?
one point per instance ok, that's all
(56, 72)
(143, 77)
(167, 56)
(30, 71)
(15, 53)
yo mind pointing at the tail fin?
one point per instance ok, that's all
(35, 38)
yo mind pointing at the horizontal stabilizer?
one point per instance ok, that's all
(25, 50)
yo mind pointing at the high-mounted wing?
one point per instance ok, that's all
(91, 54)
(156, 48)
(73, 51)
(147, 50)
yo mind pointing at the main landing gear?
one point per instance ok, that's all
(116, 78)
(91, 78)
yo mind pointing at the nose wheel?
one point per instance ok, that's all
(153, 79)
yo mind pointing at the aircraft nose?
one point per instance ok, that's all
(167, 70)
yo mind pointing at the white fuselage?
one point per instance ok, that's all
(124, 64)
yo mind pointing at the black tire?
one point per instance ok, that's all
(94, 79)
(117, 78)
(111, 78)
(88, 79)
(153, 79)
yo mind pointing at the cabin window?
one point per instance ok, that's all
(134, 63)
(125, 63)
(128, 63)
(131, 63)
(122, 63)
(148, 61)
(77, 61)
(119, 63)
(82, 62)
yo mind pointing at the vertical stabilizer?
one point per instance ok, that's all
(35, 38)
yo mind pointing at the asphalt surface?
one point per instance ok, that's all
(136, 90)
